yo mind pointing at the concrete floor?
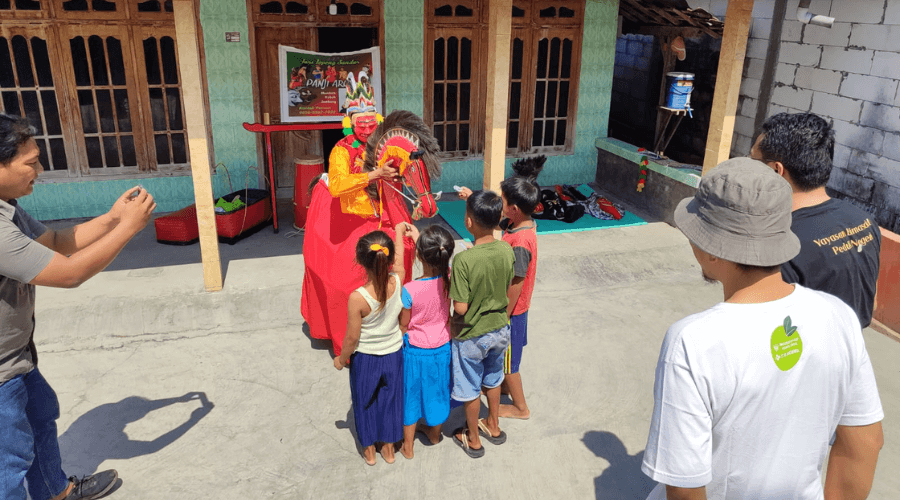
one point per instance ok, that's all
(193, 395)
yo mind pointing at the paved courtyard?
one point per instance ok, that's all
(208, 396)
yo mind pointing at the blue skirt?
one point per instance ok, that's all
(426, 387)
(376, 389)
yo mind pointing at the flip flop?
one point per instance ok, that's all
(486, 433)
(464, 443)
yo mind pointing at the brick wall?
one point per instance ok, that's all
(849, 73)
(635, 89)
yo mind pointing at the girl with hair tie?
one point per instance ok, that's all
(373, 341)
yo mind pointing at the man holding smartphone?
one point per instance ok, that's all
(31, 254)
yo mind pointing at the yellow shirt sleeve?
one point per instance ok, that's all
(340, 181)
(349, 188)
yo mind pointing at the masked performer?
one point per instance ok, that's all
(351, 200)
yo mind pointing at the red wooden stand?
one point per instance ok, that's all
(283, 127)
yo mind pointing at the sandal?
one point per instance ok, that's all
(464, 443)
(486, 433)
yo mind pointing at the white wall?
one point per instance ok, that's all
(849, 73)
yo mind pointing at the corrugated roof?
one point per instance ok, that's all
(670, 14)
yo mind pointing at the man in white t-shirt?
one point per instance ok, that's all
(749, 392)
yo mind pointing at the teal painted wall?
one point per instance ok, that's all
(404, 36)
(229, 75)
(231, 103)
(404, 45)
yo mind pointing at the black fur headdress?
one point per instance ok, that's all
(412, 123)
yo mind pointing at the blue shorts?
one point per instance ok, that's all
(518, 339)
(477, 363)
(426, 387)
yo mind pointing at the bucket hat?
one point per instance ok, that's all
(741, 213)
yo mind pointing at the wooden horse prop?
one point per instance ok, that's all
(405, 140)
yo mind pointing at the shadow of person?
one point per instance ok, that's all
(99, 434)
(623, 479)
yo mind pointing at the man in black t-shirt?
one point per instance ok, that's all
(840, 243)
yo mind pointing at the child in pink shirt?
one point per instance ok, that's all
(426, 347)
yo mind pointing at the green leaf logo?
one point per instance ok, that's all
(787, 346)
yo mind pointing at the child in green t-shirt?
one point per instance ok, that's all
(479, 281)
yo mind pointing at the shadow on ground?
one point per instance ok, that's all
(99, 434)
(623, 479)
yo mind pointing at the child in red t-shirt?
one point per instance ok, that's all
(521, 195)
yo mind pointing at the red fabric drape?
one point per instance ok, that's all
(329, 254)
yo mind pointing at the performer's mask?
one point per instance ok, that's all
(363, 125)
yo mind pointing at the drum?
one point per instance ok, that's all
(308, 168)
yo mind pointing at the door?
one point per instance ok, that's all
(285, 145)
(341, 39)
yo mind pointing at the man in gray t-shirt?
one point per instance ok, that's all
(31, 254)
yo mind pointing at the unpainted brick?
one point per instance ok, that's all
(851, 184)
(754, 68)
(857, 11)
(792, 97)
(892, 14)
(823, 80)
(748, 107)
(886, 197)
(775, 109)
(887, 219)
(740, 145)
(762, 9)
(876, 37)
(757, 48)
(891, 147)
(835, 106)
(838, 35)
(841, 156)
(869, 88)
(850, 60)
(744, 126)
(792, 29)
(880, 116)
(797, 53)
(750, 87)
(884, 170)
(762, 26)
(864, 139)
(857, 163)
(886, 64)
(784, 73)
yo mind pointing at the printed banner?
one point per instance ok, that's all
(314, 85)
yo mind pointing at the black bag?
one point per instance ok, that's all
(555, 208)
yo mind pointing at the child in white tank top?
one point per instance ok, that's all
(372, 343)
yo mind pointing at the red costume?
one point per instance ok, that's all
(341, 212)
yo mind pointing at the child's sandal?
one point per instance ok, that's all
(464, 443)
(486, 433)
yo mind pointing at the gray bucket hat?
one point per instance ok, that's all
(741, 213)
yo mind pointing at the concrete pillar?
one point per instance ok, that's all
(496, 109)
(728, 82)
(197, 131)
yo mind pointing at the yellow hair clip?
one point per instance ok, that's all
(375, 247)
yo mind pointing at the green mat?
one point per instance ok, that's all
(454, 213)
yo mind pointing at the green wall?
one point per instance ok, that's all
(404, 45)
(231, 104)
